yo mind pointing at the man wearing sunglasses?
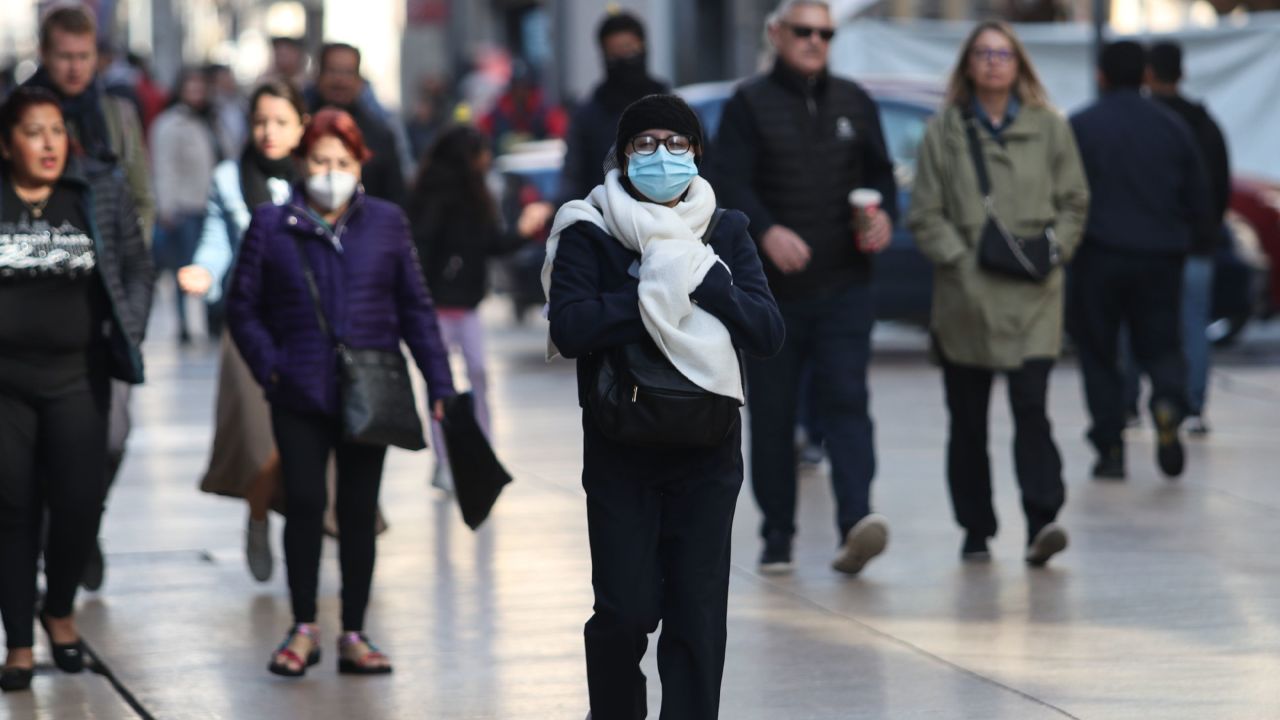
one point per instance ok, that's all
(793, 144)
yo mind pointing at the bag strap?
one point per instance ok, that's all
(975, 152)
(314, 290)
(711, 226)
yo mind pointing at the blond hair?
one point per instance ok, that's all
(1027, 87)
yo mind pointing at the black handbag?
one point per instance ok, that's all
(638, 397)
(1000, 251)
(375, 392)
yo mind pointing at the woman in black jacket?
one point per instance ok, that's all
(75, 290)
(647, 260)
(456, 229)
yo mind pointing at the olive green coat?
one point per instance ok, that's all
(980, 319)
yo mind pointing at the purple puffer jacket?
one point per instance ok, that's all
(373, 293)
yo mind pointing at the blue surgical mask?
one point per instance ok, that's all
(662, 177)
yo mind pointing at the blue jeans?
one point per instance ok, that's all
(1197, 304)
(833, 334)
(174, 248)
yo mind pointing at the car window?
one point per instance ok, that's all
(904, 127)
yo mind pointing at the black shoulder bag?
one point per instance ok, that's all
(1000, 251)
(638, 397)
(375, 393)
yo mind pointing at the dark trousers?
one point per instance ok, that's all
(53, 447)
(305, 442)
(659, 523)
(1037, 462)
(833, 334)
(1108, 291)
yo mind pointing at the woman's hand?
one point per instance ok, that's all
(195, 280)
(437, 411)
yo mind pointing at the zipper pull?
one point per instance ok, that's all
(635, 392)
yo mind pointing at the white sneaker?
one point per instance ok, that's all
(1196, 425)
(442, 478)
(1051, 540)
(257, 549)
(865, 541)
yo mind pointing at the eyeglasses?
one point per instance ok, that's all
(990, 55)
(805, 31)
(648, 144)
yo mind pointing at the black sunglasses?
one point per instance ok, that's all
(804, 31)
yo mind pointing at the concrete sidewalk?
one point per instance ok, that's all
(1167, 604)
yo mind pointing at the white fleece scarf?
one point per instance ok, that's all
(673, 262)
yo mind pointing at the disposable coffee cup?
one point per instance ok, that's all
(866, 202)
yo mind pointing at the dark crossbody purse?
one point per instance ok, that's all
(375, 392)
(637, 397)
(1000, 251)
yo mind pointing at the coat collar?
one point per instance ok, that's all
(797, 83)
(299, 217)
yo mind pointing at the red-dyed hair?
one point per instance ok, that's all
(331, 122)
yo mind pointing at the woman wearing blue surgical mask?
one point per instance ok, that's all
(354, 252)
(646, 260)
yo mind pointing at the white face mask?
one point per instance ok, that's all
(333, 189)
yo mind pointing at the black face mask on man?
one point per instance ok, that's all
(629, 70)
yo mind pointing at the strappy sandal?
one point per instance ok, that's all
(372, 662)
(288, 663)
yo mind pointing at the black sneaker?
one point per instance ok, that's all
(1046, 543)
(94, 570)
(975, 549)
(1110, 465)
(776, 558)
(1169, 454)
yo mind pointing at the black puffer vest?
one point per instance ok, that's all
(815, 135)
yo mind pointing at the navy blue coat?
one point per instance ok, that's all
(595, 304)
(1148, 188)
(371, 286)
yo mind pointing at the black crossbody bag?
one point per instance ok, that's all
(1000, 251)
(638, 397)
(375, 392)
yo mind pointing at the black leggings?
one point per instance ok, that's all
(305, 442)
(53, 447)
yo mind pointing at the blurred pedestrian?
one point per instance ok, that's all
(340, 85)
(75, 290)
(647, 260)
(1164, 75)
(152, 98)
(793, 144)
(244, 462)
(456, 228)
(1150, 205)
(108, 132)
(431, 112)
(183, 154)
(106, 128)
(621, 37)
(289, 62)
(228, 108)
(522, 113)
(984, 323)
(356, 253)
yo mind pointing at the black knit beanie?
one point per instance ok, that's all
(656, 112)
